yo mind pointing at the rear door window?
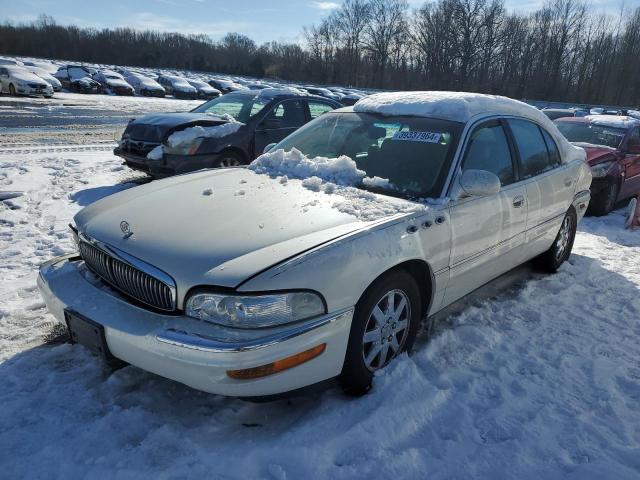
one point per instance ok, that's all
(489, 150)
(318, 108)
(534, 156)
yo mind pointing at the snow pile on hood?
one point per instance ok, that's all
(294, 164)
(189, 134)
(591, 145)
(461, 107)
(613, 121)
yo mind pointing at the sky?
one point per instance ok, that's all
(262, 20)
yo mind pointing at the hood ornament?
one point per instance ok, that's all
(126, 229)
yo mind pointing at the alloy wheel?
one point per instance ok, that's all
(564, 237)
(386, 330)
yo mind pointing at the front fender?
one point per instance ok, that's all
(342, 270)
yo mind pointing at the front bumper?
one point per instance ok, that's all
(190, 351)
(46, 91)
(137, 162)
(178, 164)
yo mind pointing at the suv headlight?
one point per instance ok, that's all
(601, 169)
(253, 311)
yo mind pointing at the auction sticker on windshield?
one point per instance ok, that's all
(414, 136)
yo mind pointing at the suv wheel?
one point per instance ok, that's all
(385, 324)
(229, 159)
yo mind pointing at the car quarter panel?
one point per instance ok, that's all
(343, 269)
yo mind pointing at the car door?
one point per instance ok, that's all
(4, 79)
(486, 231)
(549, 183)
(631, 184)
(281, 120)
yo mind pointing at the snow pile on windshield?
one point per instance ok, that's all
(334, 176)
(294, 164)
(613, 121)
(460, 107)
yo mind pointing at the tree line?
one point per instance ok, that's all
(562, 51)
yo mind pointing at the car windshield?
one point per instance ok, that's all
(591, 133)
(412, 153)
(240, 106)
(77, 72)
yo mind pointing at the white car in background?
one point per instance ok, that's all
(323, 256)
(179, 87)
(46, 76)
(16, 80)
(113, 82)
(49, 67)
(144, 85)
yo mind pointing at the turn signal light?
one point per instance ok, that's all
(278, 365)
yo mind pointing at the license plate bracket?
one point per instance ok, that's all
(90, 334)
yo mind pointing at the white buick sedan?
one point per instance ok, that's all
(322, 257)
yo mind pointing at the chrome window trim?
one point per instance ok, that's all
(138, 264)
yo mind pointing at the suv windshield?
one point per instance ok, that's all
(583, 132)
(413, 153)
(240, 106)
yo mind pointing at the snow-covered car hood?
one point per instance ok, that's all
(27, 77)
(153, 128)
(116, 82)
(217, 227)
(597, 153)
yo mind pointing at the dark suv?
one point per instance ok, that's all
(265, 116)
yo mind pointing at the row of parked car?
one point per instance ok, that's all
(89, 79)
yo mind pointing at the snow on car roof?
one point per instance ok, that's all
(460, 107)
(613, 121)
(274, 92)
(455, 106)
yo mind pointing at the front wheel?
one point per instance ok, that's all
(385, 324)
(12, 90)
(562, 245)
(229, 159)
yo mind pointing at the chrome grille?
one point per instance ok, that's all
(126, 278)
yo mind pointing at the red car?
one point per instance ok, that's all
(612, 144)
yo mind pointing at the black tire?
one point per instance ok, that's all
(229, 159)
(602, 203)
(356, 377)
(551, 260)
(12, 90)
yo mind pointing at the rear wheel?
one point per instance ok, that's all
(604, 201)
(563, 244)
(385, 324)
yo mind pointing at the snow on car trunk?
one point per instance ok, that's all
(535, 376)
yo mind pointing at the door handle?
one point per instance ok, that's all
(568, 182)
(518, 201)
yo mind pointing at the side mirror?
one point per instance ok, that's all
(633, 146)
(479, 183)
(268, 147)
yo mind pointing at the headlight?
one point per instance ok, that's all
(188, 147)
(601, 169)
(119, 134)
(252, 311)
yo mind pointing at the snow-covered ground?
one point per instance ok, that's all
(534, 377)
